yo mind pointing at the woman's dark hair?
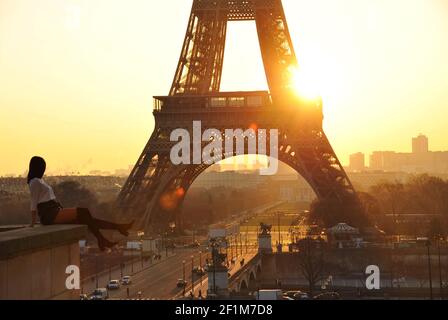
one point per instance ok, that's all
(37, 168)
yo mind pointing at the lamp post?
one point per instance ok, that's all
(200, 266)
(214, 271)
(227, 251)
(231, 247)
(214, 246)
(279, 232)
(192, 275)
(247, 232)
(96, 269)
(440, 271)
(183, 277)
(241, 244)
(428, 244)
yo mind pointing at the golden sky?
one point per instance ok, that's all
(77, 76)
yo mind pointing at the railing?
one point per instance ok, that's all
(252, 99)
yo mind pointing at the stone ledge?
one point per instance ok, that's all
(25, 240)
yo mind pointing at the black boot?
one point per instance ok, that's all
(84, 217)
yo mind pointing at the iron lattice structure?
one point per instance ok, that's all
(155, 190)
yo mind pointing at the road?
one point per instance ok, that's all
(160, 280)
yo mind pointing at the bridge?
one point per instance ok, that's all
(246, 278)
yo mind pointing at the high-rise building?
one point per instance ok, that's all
(357, 162)
(420, 144)
(421, 160)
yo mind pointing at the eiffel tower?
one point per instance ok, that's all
(156, 188)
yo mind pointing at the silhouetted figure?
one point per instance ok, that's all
(44, 204)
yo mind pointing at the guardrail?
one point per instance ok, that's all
(252, 99)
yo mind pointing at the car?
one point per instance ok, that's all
(296, 295)
(113, 285)
(328, 296)
(195, 244)
(301, 296)
(100, 294)
(181, 283)
(126, 280)
(199, 271)
(269, 295)
(290, 294)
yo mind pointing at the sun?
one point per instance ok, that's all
(305, 84)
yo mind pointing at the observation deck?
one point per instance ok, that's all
(249, 99)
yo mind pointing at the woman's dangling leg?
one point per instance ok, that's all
(84, 217)
(107, 225)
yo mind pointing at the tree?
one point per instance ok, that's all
(436, 229)
(311, 262)
(422, 194)
(428, 194)
(391, 198)
(330, 212)
(73, 194)
(370, 205)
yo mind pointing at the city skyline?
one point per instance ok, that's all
(421, 159)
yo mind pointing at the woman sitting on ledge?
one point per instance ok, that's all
(44, 204)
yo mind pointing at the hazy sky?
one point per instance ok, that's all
(77, 76)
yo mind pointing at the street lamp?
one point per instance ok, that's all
(192, 275)
(247, 232)
(227, 250)
(200, 266)
(214, 246)
(231, 247)
(279, 232)
(96, 269)
(183, 277)
(428, 244)
(440, 270)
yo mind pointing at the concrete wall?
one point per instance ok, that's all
(33, 262)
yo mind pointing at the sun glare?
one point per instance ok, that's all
(305, 84)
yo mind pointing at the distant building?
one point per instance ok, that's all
(363, 181)
(357, 162)
(230, 179)
(421, 160)
(420, 144)
(296, 190)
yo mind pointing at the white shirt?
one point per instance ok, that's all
(40, 192)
